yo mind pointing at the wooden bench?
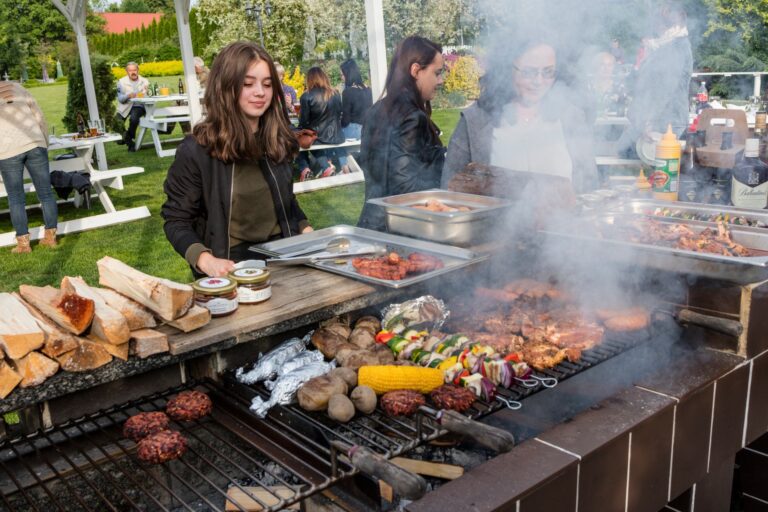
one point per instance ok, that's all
(157, 120)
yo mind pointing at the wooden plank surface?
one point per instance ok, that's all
(296, 291)
(426, 468)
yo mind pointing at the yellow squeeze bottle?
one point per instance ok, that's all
(666, 170)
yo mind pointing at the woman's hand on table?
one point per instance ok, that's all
(307, 229)
(213, 266)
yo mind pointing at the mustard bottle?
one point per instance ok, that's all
(666, 169)
(642, 185)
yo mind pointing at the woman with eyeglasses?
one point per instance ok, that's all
(524, 120)
(400, 145)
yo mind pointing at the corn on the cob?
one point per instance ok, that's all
(391, 378)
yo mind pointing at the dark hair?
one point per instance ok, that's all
(317, 79)
(225, 131)
(495, 85)
(352, 74)
(413, 49)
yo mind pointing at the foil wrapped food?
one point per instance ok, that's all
(422, 313)
(287, 385)
(299, 361)
(267, 366)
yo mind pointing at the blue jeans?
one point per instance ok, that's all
(12, 171)
(351, 131)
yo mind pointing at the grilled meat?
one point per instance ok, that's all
(141, 425)
(683, 237)
(629, 319)
(402, 402)
(449, 396)
(547, 355)
(161, 447)
(394, 267)
(188, 406)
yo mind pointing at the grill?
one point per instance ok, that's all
(86, 464)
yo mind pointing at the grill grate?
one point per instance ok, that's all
(86, 464)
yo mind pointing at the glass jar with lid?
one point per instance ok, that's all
(217, 294)
(254, 285)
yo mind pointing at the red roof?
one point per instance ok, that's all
(119, 22)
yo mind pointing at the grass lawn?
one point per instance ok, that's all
(142, 243)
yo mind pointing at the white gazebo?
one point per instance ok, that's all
(74, 11)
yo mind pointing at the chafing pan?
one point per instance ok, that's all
(455, 228)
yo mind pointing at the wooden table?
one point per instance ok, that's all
(157, 119)
(113, 178)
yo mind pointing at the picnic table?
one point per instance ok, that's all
(159, 117)
(337, 179)
(100, 180)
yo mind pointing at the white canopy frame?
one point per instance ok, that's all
(74, 12)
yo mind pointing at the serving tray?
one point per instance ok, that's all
(453, 258)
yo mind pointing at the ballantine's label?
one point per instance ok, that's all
(664, 176)
(745, 196)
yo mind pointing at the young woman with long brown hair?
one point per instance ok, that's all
(230, 185)
(321, 112)
(400, 145)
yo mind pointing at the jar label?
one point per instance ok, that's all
(214, 283)
(219, 305)
(665, 174)
(248, 272)
(247, 296)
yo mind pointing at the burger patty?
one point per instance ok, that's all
(403, 402)
(161, 447)
(139, 426)
(188, 406)
(452, 397)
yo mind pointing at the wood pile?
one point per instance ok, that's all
(79, 327)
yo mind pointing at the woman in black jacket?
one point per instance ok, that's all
(356, 100)
(321, 112)
(400, 145)
(230, 185)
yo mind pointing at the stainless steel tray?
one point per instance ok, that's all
(741, 270)
(456, 228)
(452, 257)
(694, 213)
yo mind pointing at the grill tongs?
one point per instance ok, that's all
(490, 437)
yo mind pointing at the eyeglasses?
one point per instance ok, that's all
(547, 73)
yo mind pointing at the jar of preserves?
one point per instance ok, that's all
(217, 294)
(253, 285)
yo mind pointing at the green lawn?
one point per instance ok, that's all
(142, 243)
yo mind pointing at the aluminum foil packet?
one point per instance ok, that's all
(269, 364)
(286, 386)
(422, 313)
(299, 361)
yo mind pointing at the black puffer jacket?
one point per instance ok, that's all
(321, 115)
(199, 199)
(400, 152)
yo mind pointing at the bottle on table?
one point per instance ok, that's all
(80, 125)
(721, 185)
(702, 98)
(689, 170)
(666, 170)
(749, 183)
(181, 86)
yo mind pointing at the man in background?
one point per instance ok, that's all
(201, 71)
(288, 92)
(131, 86)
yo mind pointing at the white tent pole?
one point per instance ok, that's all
(377, 50)
(187, 57)
(74, 11)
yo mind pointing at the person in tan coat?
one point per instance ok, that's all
(24, 144)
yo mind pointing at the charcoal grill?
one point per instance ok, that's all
(86, 464)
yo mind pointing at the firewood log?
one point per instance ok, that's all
(56, 341)
(138, 316)
(118, 351)
(195, 318)
(169, 300)
(34, 368)
(19, 331)
(147, 342)
(9, 379)
(69, 310)
(108, 324)
(87, 356)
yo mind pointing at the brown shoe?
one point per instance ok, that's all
(22, 245)
(49, 238)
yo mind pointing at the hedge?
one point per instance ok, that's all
(161, 68)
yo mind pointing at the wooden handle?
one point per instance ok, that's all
(405, 484)
(485, 435)
(723, 325)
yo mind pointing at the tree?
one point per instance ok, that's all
(135, 6)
